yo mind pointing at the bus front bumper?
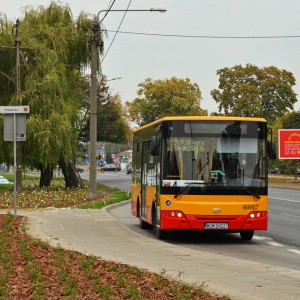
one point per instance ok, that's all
(176, 220)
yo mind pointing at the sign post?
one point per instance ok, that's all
(15, 130)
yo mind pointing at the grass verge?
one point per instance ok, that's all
(57, 196)
(31, 269)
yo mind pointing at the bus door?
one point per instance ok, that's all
(144, 178)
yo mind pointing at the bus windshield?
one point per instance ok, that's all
(214, 156)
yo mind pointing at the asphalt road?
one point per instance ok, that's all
(284, 216)
(120, 179)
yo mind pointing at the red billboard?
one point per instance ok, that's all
(289, 143)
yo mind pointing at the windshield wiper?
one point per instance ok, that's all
(187, 187)
(251, 193)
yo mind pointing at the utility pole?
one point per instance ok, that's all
(93, 112)
(19, 102)
(17, 45)
(96, 28)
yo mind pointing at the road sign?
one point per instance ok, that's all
(20, 127)
(14, 109)
(15, 130)
(289, 143)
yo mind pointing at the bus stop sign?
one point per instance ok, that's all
(14, 119)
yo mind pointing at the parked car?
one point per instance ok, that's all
(275, 171)
(298, 171)
(114, 168)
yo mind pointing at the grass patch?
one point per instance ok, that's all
(57, 195)
(115, 196)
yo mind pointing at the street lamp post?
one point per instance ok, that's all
(116, 78)
(96, 28)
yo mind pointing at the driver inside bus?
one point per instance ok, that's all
(217, 167)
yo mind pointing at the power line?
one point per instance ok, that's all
(108, 10)
(109, 4)
(116, 31)
(209, 36)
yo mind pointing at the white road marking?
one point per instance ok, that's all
(275, 244)
(259, 238)
(283, 199)
(290, 215)
(294, 250)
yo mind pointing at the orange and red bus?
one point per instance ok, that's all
(201, 173)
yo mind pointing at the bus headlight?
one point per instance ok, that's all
(174, 213)
(257, 214)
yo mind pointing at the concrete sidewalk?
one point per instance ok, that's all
(96, 232)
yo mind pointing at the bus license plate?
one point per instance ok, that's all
(216, 226)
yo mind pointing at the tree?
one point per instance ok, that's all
(108, 157)
(7, 80)
(255, 92)
(168, 97)
(112, 124)
(291, 120)
(55, 49)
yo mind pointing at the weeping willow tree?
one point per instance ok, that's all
(7, 79)
(54, 49)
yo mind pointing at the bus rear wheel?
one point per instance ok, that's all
(143, 224)
(247, 235)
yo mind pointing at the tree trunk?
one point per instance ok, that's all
(46, 176)
(68, 171)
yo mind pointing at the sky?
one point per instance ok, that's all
(135, 57)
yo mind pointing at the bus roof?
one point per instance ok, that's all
(202, 118)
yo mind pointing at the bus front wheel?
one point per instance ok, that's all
(160, 234)
(247, 235)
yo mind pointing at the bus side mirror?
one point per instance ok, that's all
(154, 145)
(271, 148)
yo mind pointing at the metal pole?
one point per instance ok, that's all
(17, 43)
(18, 90)
(93, 114)
(15, 168)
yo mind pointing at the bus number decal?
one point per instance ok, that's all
(250, 207)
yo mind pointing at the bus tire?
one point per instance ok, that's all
(143, 224)
(138, 211)
(247, 235)
(160, 234)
